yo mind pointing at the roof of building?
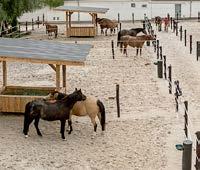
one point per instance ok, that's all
(82, 9)
(36, 51)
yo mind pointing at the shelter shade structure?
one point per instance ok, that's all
(56, 55)
(81, 31)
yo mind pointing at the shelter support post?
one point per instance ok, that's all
(4, 73)
(57, 77)
(67, 24)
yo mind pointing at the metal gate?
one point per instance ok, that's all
(178, 10)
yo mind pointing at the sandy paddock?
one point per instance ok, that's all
(143, 138)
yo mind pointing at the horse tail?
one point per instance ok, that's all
(118, 38)
(26, 117)
(103, 114)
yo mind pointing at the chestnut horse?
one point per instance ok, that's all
(137, 42)
(59, 110)
(51, 29)
(107, 23)
(91, 106)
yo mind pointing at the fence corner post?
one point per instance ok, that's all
(187, 155)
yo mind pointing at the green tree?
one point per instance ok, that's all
(10, 10)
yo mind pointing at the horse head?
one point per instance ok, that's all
(150, 37)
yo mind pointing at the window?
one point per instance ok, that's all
(57, 18)
(144, 5)
(54, 18)
(133, 5)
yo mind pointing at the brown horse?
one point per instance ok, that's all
(51, 29)
(108, 24)
(137, 42)
(59, 110)
(158, 22)
(91, 106)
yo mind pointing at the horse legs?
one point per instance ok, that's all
(140, 51)
(36, 125)
(106, 31)
(70, 126)
(27, 122)
(62, 129)
(94, 123)
(137, 51)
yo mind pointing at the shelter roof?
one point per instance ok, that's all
(81, 9)
(37, 51)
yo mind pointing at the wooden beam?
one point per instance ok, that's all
(58, 77)
(53, 67)
(64, 76)
(4, 73)
(41, 61)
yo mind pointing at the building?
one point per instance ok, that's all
(125, 10)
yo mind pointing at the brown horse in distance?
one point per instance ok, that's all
(51, 29)
(137, 42)
(108, 24)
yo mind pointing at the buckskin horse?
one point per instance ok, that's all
(59, 110)
(91, 106)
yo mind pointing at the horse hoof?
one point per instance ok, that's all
(64, 139)
(26, 136)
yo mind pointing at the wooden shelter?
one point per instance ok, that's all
(81, 31)
(56, 55)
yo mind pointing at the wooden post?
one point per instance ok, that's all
(187, 155)
(160, 68)
(181, 33)
(190, 44)
(26, 26)
(171, 22)
(38, 21)
(177, 28)
(133, 18)
(117, 100)
(165, 66)
(198, 50)
(198, 16)
(67, 24)
(118, 17)
(161, 52)
(32, 24)
(4, 66)
(64, 76)
(57, 77)
(185, 37)
(170, 78)
(19, 30)
(112, 45)
(186, 118)
(157, 44)
(43, 19)
(197, 165)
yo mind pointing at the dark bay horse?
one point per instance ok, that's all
(108, 24)
(135, 42)
(59, 110)
(131, 32)
(51, 29)
(91, 106)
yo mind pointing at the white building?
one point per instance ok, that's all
(126, 9)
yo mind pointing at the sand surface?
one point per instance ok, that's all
(143, 138)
